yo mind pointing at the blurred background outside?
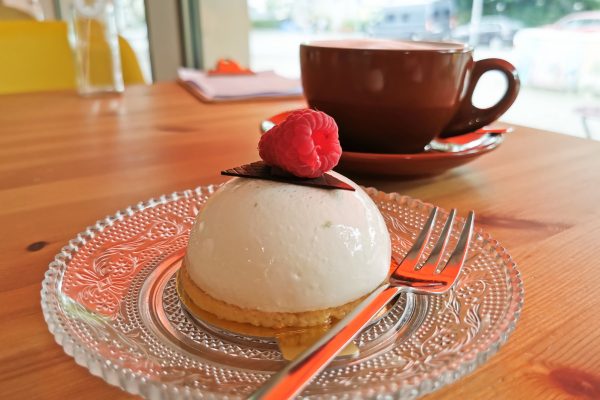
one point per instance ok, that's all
(555, 44)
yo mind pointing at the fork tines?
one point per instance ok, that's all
(405, 273)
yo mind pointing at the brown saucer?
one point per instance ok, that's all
(427, 163)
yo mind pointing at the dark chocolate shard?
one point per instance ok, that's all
(260, 170)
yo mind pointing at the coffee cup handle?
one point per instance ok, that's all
(468, 117)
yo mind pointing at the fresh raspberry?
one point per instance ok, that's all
(306, 144)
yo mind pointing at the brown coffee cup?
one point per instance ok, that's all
(395, 97)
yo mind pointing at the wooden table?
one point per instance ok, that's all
(66, 161)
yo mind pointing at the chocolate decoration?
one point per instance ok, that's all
(260, 170)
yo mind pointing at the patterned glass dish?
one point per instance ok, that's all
(109, 297)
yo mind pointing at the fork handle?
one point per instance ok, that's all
(296, 375)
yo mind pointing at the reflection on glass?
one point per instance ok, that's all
(95, 42)
(131, 23)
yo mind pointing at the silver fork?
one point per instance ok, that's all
(431, 277)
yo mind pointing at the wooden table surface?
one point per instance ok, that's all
(67, 161)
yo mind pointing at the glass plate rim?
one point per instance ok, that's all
(142, 384)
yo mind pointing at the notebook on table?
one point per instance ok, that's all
(231, 87)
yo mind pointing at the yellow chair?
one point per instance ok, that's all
(36, 56)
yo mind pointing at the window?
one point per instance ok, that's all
(554, 45)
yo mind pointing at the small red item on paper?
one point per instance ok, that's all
(229, 67)
(305, 145)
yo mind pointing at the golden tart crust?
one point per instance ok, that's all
(276, 320)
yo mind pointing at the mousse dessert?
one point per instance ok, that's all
(287, 242)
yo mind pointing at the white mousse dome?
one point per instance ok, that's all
(279, 247)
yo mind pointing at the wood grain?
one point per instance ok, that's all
(66, 161)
